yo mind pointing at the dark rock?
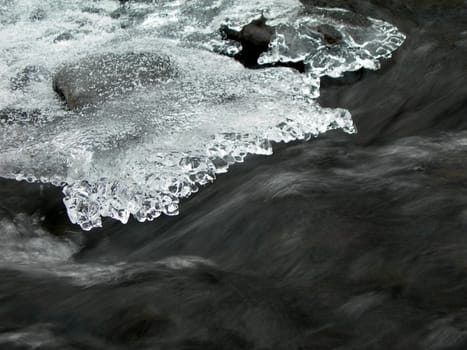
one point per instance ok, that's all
(96, 78)
(254, 37)
(63, 37)
(330, 34)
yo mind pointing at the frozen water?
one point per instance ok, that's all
(140, 153)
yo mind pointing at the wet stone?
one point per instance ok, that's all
(254, 37)
(98, 78)
(330, 34)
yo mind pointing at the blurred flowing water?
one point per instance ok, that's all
(347, 241)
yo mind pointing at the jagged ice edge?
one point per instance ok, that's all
(87, 203)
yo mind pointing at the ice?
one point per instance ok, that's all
(139, 154)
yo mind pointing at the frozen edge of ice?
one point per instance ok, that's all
(87, 203)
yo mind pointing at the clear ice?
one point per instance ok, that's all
(138, 156)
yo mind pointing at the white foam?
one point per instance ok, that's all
(24, 242)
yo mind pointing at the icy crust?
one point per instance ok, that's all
(145, 192)
(140, 153)
(365, 41)
(360, 46)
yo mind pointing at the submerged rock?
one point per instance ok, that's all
(330, 34)
(254, 37)
(96, 78)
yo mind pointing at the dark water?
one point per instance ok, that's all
(344, 242)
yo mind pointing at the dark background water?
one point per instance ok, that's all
(344, 242)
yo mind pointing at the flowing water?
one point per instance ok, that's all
(351, 234)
